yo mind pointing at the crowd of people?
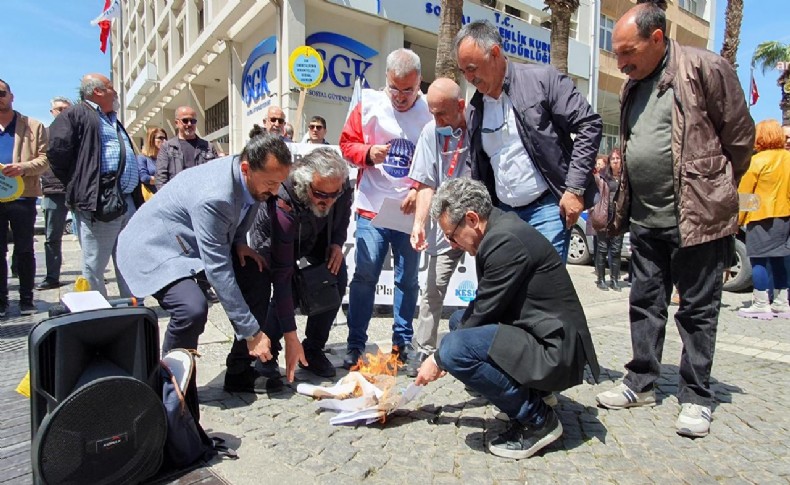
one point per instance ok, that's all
(503, 179)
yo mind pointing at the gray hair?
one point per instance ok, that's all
(325, 162)
(458, 196)
(88, 85)
(59, 99)
(402, 62)
(484, 34)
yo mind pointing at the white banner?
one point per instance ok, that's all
(463, 284)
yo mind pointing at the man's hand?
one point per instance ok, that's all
(409, 203)
(12, 170)
(418, 238)
(243, 251)
(334, 258)
(571, 207)
(294, 353)
(378, 153)
(260, 347)
(428, 372)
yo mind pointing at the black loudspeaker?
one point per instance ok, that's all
(96, 412)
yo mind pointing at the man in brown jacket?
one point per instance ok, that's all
(23, 147)
(687, 138)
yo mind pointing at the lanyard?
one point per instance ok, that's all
(454, 160)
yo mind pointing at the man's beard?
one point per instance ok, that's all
(304, 198)
(116, 105)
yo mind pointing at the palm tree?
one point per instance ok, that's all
(449, 25)
(766, 56)
(561, 11)
(733, 16)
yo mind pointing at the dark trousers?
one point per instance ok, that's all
(21, 215)
(608, 251)
(185, 302)
(55, 212)
(658, 262)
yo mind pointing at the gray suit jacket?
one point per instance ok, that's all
(187, 227)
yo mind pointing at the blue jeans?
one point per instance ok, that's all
(55, 211)
(544, 215)
(464, 354)
(373, 245)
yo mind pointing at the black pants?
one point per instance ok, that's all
(608, 250)
(658, 262)
(256, 287)
(185, 302)
(21, 215)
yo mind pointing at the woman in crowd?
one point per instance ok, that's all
(609, 247)
(768, 227)
(146, 161)
(601, 162)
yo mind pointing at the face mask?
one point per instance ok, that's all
(448, 131)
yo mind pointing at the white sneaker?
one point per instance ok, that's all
(693, 420)
(622, 397)
(759, 309)
(780, 307)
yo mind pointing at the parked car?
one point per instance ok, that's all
(737, 278)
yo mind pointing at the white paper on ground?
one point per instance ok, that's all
(79, 301)
(391, 217)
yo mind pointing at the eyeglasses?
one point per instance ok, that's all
(451, 236)
(316, 127)
(161, 138)
(277, 120)
(3, 93)
(325, 195)
(188, 121)
(403, 92)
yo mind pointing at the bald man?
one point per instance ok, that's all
(183, 151)
(441, 154)
(89, 150)
(275, 121)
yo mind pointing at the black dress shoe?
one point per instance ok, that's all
(602, 285)
(48, 285)
(317, 363)
(413, 363)
(352, 358)
(252, 381)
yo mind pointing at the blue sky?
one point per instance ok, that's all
(49, 44)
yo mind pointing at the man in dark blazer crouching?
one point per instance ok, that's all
(525, 333)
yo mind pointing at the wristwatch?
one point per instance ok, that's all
(574, 191)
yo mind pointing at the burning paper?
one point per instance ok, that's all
(366, 394)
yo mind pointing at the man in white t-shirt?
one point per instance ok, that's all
(441, 154)
(379, 138)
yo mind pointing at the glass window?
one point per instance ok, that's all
(605, 40)
(689, 5)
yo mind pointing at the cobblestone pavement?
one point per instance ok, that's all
(440, 438)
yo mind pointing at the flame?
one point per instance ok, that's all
(379, 364)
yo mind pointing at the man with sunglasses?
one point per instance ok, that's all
(520, 125)
(524, 334)
(183, 151)
(379, 137)
(275, 121)
(23, 145)
(316, 131)
(308, 219)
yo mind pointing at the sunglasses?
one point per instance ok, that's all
(325, 195)
(277, 120)
(3, 93)
(188, 121)
(316, 127)
(161, 138)
(451, 236)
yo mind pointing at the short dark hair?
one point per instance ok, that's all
(260, 147)
(256, 130)
(319, 119)
(7, 86)
(649, 17)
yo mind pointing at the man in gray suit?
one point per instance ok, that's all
(190, 228)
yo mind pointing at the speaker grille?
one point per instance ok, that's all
(111, 430)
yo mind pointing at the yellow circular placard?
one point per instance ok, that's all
(306, 67)
(11, 188)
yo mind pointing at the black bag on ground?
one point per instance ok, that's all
(316, 289)
(110, 204)
(186, 441)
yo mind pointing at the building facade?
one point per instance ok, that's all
(229, 58)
